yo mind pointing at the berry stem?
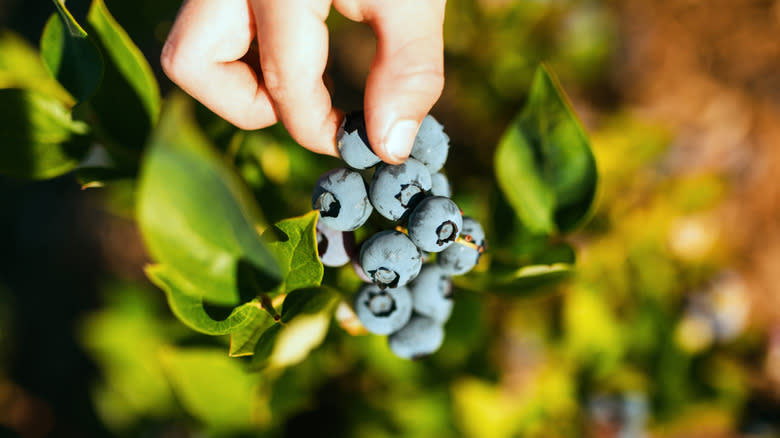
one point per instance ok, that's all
(469, 243)
(267, 305)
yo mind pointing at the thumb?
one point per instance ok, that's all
(407, 74)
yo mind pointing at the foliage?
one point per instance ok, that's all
(257, 331)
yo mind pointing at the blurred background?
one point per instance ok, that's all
(670, 328)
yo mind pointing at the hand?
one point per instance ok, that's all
(204, 50)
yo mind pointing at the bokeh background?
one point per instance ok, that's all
(671, 327)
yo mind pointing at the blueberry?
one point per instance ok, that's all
(395, 190)
(334, 247)
(463, 256)
(432, 293)
(457, 259)
(340, 196)
(472, 232)
(431, 145)
(435, 224)
(383, 311)
(390, 259)
(353, 142)
(440, 185)
(420, 337)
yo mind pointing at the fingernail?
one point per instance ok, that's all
(400, 139)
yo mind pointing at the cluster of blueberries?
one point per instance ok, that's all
(409, 295)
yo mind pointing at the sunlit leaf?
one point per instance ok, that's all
(197, 217)
(127, 104)
(544, 164)
(526, 281)
(21, 67)
(187, 304)
(40, 140)
(70, 55)
(215, 389)
(124, 338)
(244, 339)
(306, 315)
(294, 243)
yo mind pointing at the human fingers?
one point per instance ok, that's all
(407, 73)
(293, 43)
(202, 55)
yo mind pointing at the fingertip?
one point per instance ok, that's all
(399, 140)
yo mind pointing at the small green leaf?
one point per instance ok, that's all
(126, 56)
(526, 191)
(40, 140)
(308, 301)
(306, 315)
(70, 55)
(197, 217)
(186, 303)
(215, 389)
(294, 243)
(544, 164)
(526, 281)
(21, 66)
(127, 103)
(244, 339)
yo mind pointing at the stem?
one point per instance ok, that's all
(267, 305)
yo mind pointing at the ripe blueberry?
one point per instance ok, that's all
(432, 293)
(435, 224)
(340, 196)
(390, 259)
(395, 190)
(462, 257)
(420, 337)
(440, 185)
(431, 145)
(383, 311)
(352, 142)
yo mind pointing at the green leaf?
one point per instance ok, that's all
(526, 281)
(544, 164)
(21, 67)
(306, 315)
(197, 217)
(187, 304)
(215, 389)
(126, 56)
(294, 243)
(244, 339)
(40, 140)
(70, 55)
(127, 103)
(124, 337)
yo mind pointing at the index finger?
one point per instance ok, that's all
(293, 43)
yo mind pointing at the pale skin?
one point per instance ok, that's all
(209, 37)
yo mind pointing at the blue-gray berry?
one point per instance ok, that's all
(334, 247)
(390, 259)
(457, 259)
(431, 145)
(396, 189)
(341, 198)
(432, 293)
(472, 232)
(440, 185)
(353, 144)
(383, 311)
(420, 337)
(435, 224)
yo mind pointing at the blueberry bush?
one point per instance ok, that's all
(267, 301)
